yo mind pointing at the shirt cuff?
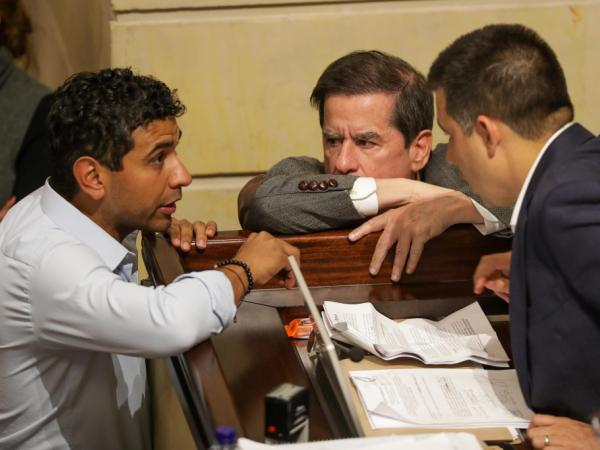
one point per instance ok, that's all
(491, 224)
(220, 295)
(364, 196)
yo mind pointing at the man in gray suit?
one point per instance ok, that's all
(376, 115)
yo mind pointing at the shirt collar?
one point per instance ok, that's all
(519, 203)
(70, 219)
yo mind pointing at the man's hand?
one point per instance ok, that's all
(267, 258)
(493, 272)
(409, 227)
(9, 203)
(554, 433)
(182, 233)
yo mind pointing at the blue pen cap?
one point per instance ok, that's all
(226, 435)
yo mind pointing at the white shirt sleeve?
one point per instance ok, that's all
(77, 302)
(491, 224)
(364, 196)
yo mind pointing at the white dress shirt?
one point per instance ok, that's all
(75, 327)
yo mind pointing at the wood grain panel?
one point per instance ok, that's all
(329, 259)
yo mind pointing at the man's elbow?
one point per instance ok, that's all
(246, 201)
(262, 215)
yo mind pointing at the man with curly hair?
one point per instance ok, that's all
(74, 325)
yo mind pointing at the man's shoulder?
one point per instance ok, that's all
(575, 162)
(296, 165)
(566, 190)
(23, 94)
(437, 158)
(573, 145)
(591, 146)
(439, 172)
(28, 235)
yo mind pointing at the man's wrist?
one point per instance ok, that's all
(236, 280)
(240, 272)
(460, 209)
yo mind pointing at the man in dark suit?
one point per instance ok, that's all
(502, 97)
(376, 115)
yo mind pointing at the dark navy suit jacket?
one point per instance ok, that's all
(555, 280)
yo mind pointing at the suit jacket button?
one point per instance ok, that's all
(303, 185)
(313, 185)
(323, 185)
(332, 183)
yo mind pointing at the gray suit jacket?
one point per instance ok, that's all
(19, 100)
(280, 206)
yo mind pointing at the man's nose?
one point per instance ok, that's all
(347, 161)
(179, 176)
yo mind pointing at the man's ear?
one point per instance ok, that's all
(420, 150)
(88, 173)
(488, 129)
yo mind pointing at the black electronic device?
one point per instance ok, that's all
(356, 354)
(286, 414)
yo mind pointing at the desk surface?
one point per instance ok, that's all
(235, 370)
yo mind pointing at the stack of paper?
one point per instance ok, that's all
(442, 398)
(439, 441)
(464, 335)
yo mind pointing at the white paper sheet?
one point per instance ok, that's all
(443, 398)
(463, 335)
(438, 441)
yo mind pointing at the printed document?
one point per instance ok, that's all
(442, 398)
(463, 335)
(438, 441)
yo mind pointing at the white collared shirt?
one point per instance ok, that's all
(75, 327)
(515, 215)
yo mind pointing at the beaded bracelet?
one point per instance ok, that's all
(243, 265)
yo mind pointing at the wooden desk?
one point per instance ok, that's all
(232, 372)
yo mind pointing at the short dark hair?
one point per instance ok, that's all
(94, 114)
(505, 71)
(370, 72)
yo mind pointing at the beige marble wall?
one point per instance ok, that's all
(245, 72)
(68, 36)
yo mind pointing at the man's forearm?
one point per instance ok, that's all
(395, 192)
(284, 204)
(459, 207)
